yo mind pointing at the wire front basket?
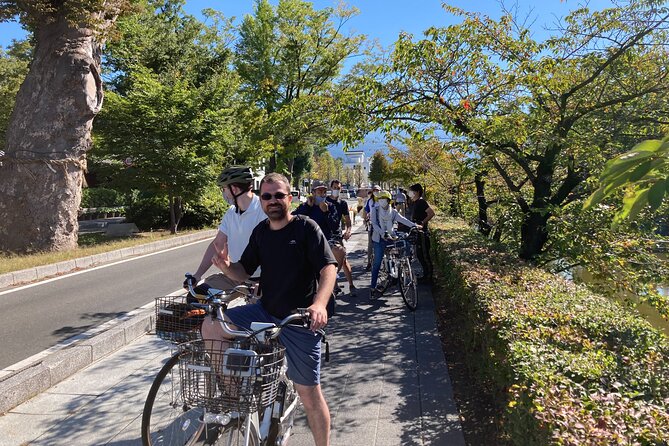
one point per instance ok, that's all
(223, 376)
(177, 320)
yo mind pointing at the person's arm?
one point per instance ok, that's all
(221, 259)
(405, 221)
(318, 310)
(347, 224)
(430, 214)
(220, 240)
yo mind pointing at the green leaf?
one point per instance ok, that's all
(656, 193)
(623, 162)
(632, 204)
(594, 199)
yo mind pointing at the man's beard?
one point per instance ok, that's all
(276, 212)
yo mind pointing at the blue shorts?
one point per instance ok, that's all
(303, 347)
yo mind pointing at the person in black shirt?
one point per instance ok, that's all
(337, 245)
(298, 270)
(319, 209)
(421, 214)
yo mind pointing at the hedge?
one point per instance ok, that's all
(570, 367)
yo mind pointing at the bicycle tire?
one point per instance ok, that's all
(407, 285)
(166, 420)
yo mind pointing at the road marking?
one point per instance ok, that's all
(64, 276)
(37, 357)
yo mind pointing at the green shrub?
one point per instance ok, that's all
(206, 212)
(571, 367)
(149, 213)
(98, 197)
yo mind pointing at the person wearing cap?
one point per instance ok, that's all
(243, 215)
(422, 213)
(383, 218)
(319, 209)
(400, 201)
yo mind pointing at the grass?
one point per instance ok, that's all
(89, 244)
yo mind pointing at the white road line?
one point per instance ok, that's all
(81, 336)
(97, 267)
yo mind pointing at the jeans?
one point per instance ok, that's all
(379, 248)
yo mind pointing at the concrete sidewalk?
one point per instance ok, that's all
(386, 384)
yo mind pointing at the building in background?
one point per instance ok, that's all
(358, 161)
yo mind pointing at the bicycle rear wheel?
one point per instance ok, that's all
(166, 420)
(407, 282)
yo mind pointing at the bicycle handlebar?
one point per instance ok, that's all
(300, 314)
(239, 289)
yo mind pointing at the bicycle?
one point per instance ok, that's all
(396, 266)
(225, 392)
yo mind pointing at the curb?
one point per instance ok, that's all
(42, 272)
(34, 378)
(39, 376)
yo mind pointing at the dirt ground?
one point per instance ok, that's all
(478, 414)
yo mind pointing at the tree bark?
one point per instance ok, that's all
(533, 233)
(176, 212)
(484, 226)
(47, 140)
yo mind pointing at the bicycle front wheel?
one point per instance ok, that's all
(232, 434)
(383, 280)
(166, 420)
(407, 282)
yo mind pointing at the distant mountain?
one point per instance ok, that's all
(372, 143)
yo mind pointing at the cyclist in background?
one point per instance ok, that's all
(383, 219)
(298, 270)
(337, 245)
(245, 212)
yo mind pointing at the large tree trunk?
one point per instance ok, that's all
(47, 140)
(533, 233)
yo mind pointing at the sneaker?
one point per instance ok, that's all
(353, 291)
(375, 294)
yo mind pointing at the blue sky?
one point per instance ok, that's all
(383, 20)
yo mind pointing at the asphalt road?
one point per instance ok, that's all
(39, 317)
(42, 316)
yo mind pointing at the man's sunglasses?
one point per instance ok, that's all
(279, 196)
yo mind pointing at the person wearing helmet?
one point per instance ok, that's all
(244, 214)
(320, 210)
(383, 218)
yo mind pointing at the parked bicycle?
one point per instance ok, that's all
(228, 392)
(396, 266)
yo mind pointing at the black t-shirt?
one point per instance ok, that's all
(419, 213)
(291, 259)
(342, 209)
